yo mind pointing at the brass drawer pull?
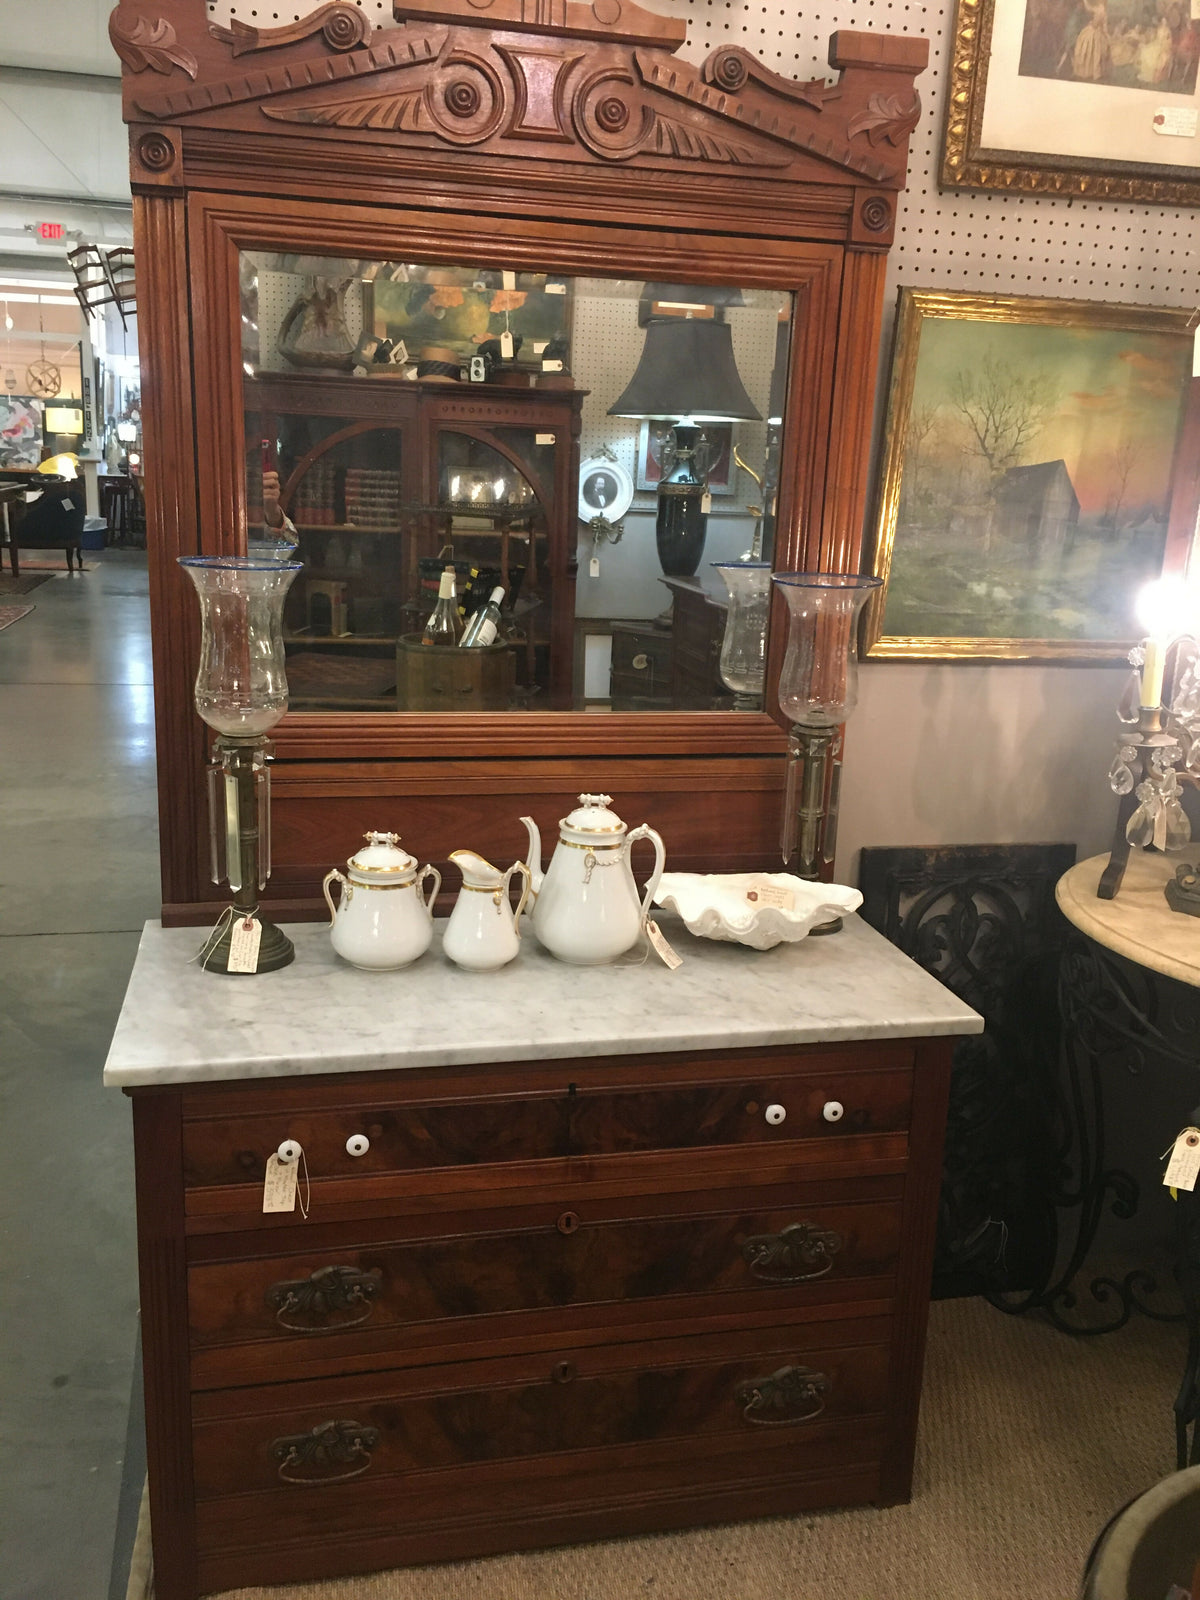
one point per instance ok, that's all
(789, 1396)
(793, 1255)
(312, 1459)
(324, 1294)
(568, 1222)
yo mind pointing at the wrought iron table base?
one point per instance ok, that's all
(1118, 1014)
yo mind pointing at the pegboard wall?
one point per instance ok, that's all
(1088, 250)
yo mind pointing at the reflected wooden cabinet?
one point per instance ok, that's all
(380, 478)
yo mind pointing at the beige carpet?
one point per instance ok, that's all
(1029, 1441)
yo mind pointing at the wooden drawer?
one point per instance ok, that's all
(585, 1269)
(344, 1436)
(566, 1112)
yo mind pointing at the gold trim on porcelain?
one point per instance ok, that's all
(357, 883)
(356, 866)
(576, 846)
(480, 888)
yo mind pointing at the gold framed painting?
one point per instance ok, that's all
(1027, 475)
(1075, 97)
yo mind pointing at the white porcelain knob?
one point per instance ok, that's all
(289, 1151)
(775, 1115)
(833, 1111)
(357, 1144)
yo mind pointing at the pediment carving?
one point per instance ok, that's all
(549, 79)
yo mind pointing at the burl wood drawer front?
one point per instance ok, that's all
(566, 1111)
(540, 1271)
(738, 1388)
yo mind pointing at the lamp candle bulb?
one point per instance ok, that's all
(1152, 671)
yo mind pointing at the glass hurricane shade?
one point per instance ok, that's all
(744, 645)
(241, 686)
(686, 369)
(818, 686)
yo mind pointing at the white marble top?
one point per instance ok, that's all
(1138, 923)
(182, 1025)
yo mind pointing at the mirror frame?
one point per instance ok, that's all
(519, 135)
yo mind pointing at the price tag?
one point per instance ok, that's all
(539, 345)
(556, 288)
(1184, 1166)
(243, 945)
(763, 892)
(543, 438)
(1178, 122)
(660, 946)
(279, 1189)
(509, 280)
(706, 503)
(594, 567)
(552, 366)
(506, 339)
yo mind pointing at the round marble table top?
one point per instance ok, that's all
(1138, 924)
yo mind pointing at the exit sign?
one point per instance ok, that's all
(49, 230)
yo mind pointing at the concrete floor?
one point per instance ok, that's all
(78, 876)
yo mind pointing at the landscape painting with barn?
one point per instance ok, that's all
(1029, 479)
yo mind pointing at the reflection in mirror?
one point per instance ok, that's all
(604, 451)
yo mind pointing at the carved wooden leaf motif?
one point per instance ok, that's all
(389, 112)
(887, 116)
(144, 43)
(670, 137)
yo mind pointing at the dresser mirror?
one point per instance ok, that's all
(421, 416)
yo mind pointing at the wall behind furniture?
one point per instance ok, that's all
(957, 754)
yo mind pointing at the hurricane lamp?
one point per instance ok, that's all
(241, 692)
(818, 689)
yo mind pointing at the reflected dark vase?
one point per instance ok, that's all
(681, 524)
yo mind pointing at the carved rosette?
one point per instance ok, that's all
(609, 114)
(466, 98)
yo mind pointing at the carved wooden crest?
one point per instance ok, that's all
(535, 79)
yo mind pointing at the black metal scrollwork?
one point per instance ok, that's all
(794, 1254)
(327, 1293)
(789, 1396)
(332, 1452)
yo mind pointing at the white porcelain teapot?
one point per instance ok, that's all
(383, 921)
(484, 932)
(586, 907)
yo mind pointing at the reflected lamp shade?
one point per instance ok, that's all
(687, 369)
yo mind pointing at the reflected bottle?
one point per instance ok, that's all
(485, 624)
(444, 626)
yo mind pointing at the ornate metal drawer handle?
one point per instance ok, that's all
(325, 1293)
(798, 1252)
(789, 1396)
(307, 1458)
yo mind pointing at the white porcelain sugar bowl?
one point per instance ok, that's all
(383, 920)
(586, 907)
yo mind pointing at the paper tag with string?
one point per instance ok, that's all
(506, 345)
(706, 502)
(279, 1187)
(660, 946)
(1184, 1166)
(244, 941)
